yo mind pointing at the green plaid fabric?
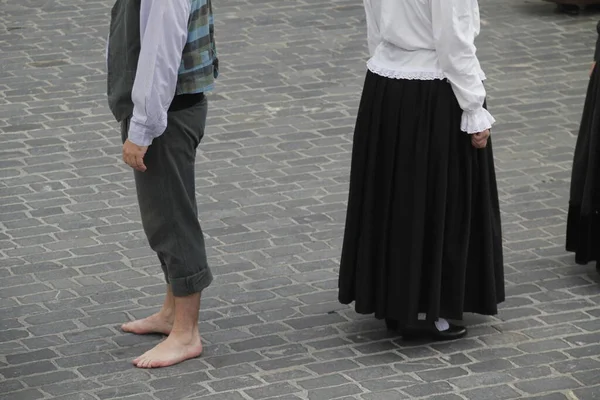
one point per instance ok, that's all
(199, 65)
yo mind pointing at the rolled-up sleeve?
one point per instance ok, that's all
(454, 33)
(164, 30)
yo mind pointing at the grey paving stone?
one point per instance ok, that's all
(105, 368)
(32, 356)
(547, 384)
(258, 343)
(382, 358)
(27, 394)
(495, 392)
(9, 386)
(237, 383)
(178, 380)
(584, 351)
(233, 359)
(531, 372)
(420, 365)
(73, 387)
(553, 396)
(50, 378)
(123, 391)
(482, 379)
(364, 374)
(390, 382)
(333, 366)
(235, 370)
(334, 392)
(582, 364)
(490, 365)
(386, 395)
(538, 359)
(447, 397)
(587, 377)
(324, 381)
(429, 389)
(83, 360)
(221, 396)
(181, 393)
(275, 390)
(27, 369)
(591, 392)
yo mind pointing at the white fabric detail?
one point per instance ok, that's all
(413, 75)
(476, 121)
(442, 325)
(406, 74)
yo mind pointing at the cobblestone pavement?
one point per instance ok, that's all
(272, 184)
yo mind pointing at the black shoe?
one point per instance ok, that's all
(392, 324)
(431, 332)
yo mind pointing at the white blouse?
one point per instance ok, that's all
(427, 40)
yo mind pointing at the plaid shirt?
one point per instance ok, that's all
(199, 64)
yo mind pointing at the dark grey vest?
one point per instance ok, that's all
(123, 55)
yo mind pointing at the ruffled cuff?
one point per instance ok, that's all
(476, 121)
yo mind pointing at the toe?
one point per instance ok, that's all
(142, 360)
(129, 327)
(139, 359)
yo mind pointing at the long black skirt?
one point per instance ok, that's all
(583, 224)
(423, 232)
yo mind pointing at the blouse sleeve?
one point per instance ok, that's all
(453, 32)
(373, 33)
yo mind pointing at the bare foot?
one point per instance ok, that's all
(157, 323)
(173, 350)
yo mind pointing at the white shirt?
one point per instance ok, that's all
(163, 33)
(427, 40)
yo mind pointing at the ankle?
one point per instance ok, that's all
(185, 335)
(167, 313)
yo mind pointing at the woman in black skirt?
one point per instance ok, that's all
(583, 224)
(423, 238)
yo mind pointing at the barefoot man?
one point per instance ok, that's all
(161, 59)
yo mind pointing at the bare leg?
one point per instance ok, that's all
(161, 322)
(184, 341)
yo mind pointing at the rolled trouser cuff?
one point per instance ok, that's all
(192, 284)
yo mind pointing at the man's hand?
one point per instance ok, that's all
(479, 140)
(592, 69)
(133, 155)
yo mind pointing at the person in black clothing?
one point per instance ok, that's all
(583, 224)
(423, 239)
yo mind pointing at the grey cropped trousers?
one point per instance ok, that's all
(167, 199)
